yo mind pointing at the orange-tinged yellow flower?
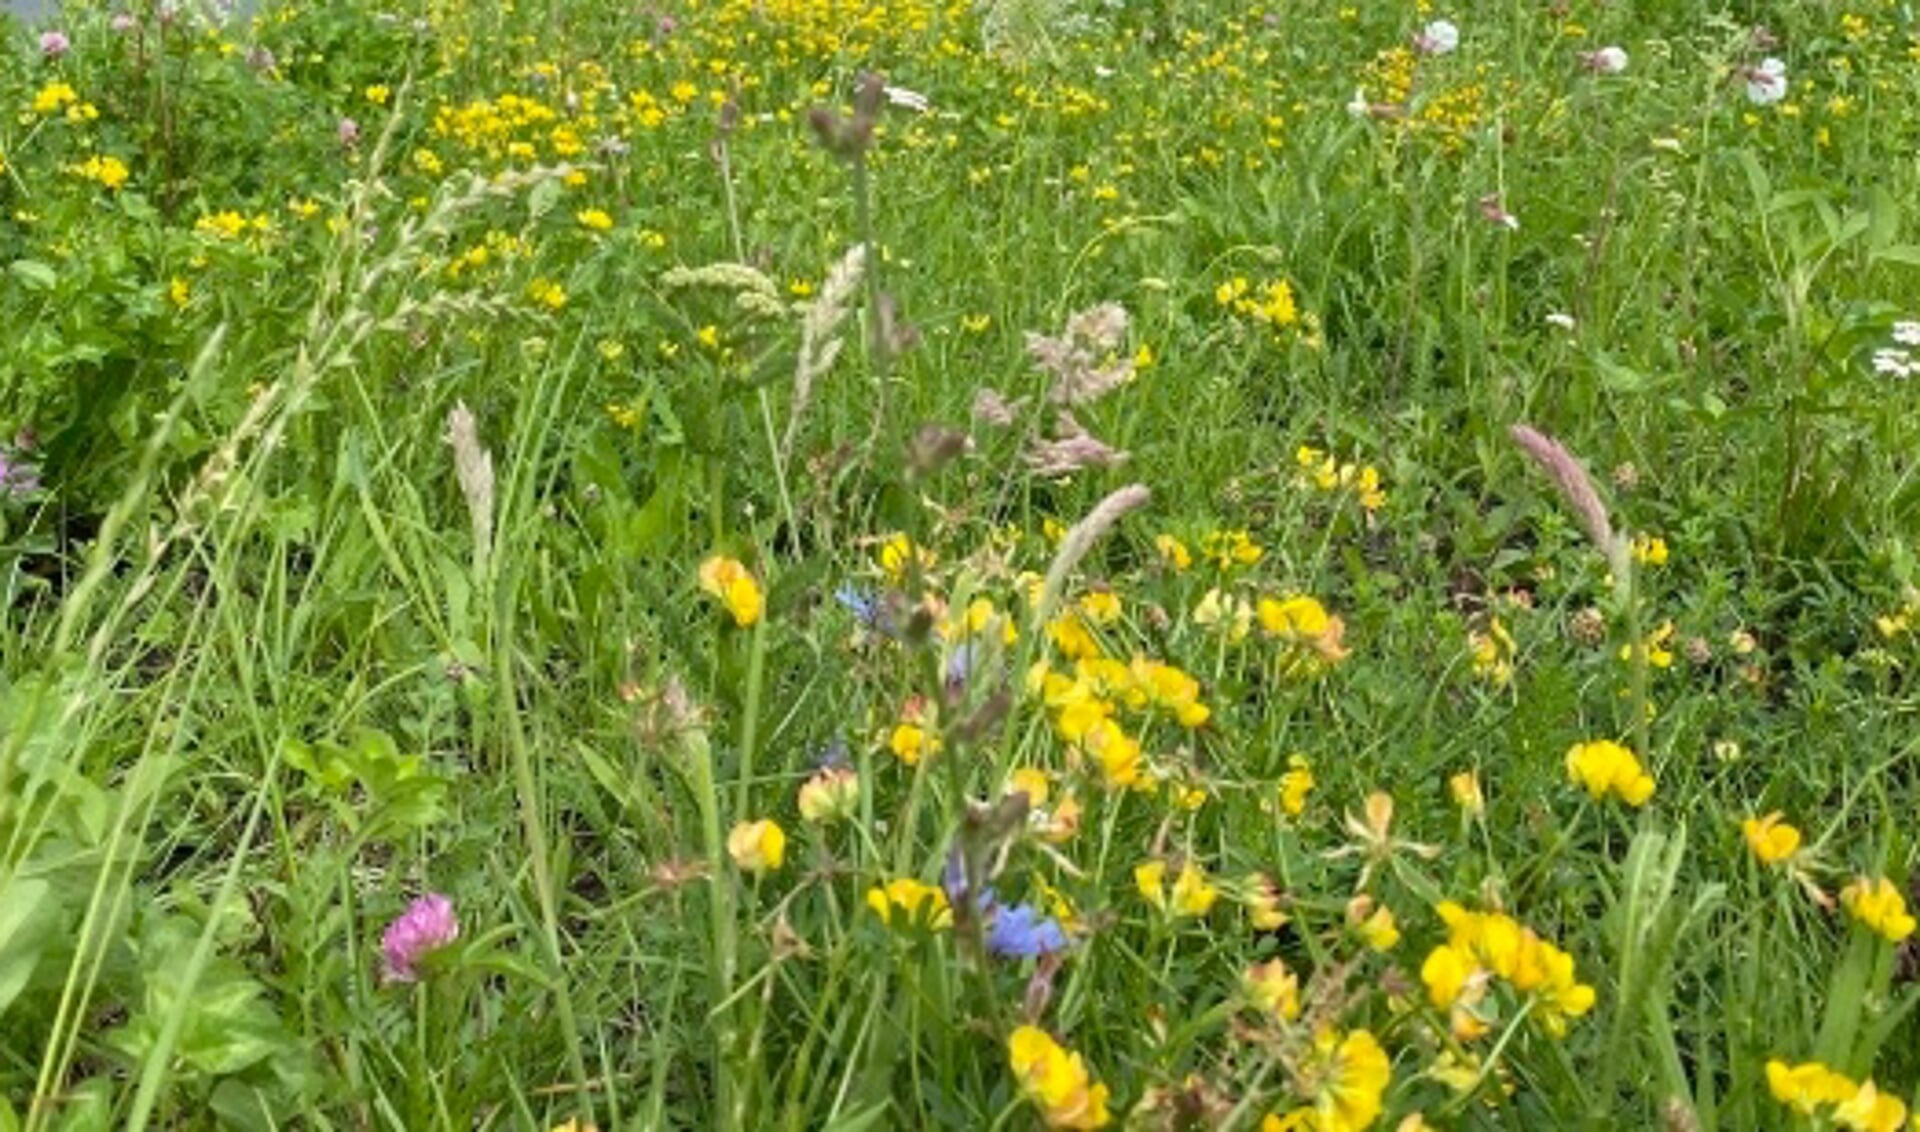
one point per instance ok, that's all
(1273, 989)
(1878, 905)
(1771, 838)
(1265, 905)
(757, 846)
(728, 580)
(1607, 768)
(1346, 1078)
(1056, 1081)
(830, 795)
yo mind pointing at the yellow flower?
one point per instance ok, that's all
(378, 94)
(830, 795)
(1234, 613)
(179, 292)
(54, 96)
(1605, 767)
(728, 580)
(1193, 895)
(1465, 788)
(1299, 619)
(1102, 607)
(1806, 1087)
(547, 293)
(911, 742)
(1032, 782)
(1150, 879)
(1273, 989)
(1349, 1076)
(594, 219)
(1446, 973)
(898, 552)
(1878, 905)
(1295, 785)
(1230, 549)
(1263, 902)
(1649, 550)
(757, 846)
(1493, 653)
(975, 323)
(1056, 1081)
(1117, 753)
(1870, 1110)
(1771, 839)
(1379, 929)
(108, 172)
(1173, 552)
(912, 902)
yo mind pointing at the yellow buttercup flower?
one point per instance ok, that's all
(1607, 768)
(1771, 838)
(1056, 1081)
(726, 579)
(1878, 905)
(757, 846)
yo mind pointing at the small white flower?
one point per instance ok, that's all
(1606, 61)
(1438, 38)
(1890, 362)
(1563, 321)
(1359, 107)
(1907, 333)
(911, 99)
(1767, 83)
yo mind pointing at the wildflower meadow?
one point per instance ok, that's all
(960, 564)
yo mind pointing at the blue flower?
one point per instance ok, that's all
(1022, 931)
(867, 607)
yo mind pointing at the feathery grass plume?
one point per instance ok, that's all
(473, 466)
(753, 292)
(1080, 539)
(1576, 487)
(991, 407)
(820, 340)
(1071, 450)
(1084, 360)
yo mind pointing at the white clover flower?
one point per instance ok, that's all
(1891, 362)
(911, 99)
(1359, 107)
(1606, 61)
(1438, 38)
(1907, 333)
(1767, 83)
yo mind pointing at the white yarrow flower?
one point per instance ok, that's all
(1907, 333)
(1438, 38)
(1607, 60)
(1767, 83)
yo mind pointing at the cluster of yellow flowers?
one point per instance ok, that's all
(1346, 1075)
(1606, 768)
(906, 903)
(109, 172)
(1056, 1080)
(1493, 652)
(1271, 304)
(1878, 905)
(1812, 1089)
(1322, 470)
(1482, 946)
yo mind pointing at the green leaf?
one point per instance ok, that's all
(33, 275)
(30, 917)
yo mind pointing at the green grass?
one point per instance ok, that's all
(271, 668)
